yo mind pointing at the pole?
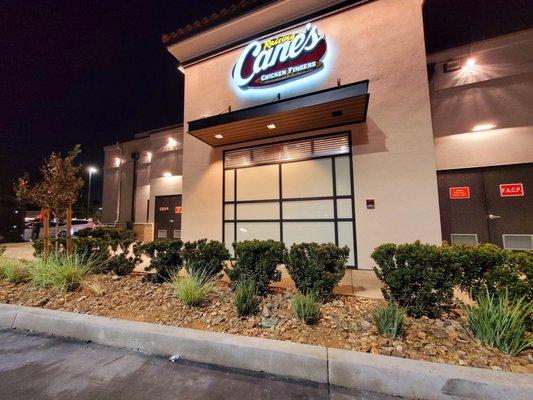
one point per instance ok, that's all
(46, 228)
(89, 193)
(69, 229)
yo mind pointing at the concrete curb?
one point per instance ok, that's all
(381, 374)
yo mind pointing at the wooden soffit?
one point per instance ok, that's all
(342, 105)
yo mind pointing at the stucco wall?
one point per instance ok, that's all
(394, 160)
(497, 90)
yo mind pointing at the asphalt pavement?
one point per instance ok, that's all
(39, 367)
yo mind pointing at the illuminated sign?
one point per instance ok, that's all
(280, 58)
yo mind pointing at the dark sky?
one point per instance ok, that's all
(94, 72)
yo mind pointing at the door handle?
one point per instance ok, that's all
(491, 216)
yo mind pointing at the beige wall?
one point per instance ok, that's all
(498, 90)
(394, 158)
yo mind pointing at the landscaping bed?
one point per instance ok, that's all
(345, 322)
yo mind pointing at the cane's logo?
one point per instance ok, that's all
(280, 58)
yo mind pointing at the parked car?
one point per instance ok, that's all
(60, 228)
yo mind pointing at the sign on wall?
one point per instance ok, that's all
(460, 192)
(279, 59)
(511, 190)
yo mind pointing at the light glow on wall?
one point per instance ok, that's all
(167, 174)
(483, 127)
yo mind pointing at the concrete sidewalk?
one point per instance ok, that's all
(42, 367)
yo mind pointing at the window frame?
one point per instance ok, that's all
(334, 197)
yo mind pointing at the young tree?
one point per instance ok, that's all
(59, 186)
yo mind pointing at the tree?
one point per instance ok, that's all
(59, 186)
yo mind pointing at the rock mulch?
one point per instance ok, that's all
(346, 322)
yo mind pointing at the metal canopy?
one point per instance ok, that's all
(328, 108)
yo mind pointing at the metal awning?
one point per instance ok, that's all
(342, 105)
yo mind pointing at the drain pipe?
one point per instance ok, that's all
(135, 158)
(119, 184)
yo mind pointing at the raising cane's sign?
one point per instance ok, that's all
(280, 58)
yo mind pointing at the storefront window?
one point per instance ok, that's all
(294, 192)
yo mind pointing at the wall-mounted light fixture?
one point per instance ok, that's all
(219, 136)
(172, 142)
(167, 174)
(470, 65)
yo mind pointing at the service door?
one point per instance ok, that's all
(168, 217)
(492, 204)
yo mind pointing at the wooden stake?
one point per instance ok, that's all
(69, 229)
(46, 231)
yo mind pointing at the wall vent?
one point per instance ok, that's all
(452, 65)
(517, 242)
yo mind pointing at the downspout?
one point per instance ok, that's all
(119, 189)
(135, 158)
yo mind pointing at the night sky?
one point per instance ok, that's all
(97, 72)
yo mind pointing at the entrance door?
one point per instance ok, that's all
(493, 204)
(168, 217)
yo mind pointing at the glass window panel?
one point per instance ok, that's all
(258, 230)
(344, 208)
(309, 209)
(310, 178)
(300, 232)
(229, 211)
(345, 230)
(229, 182)
(258, 183)
(342, 176)
(258, 211)
(229, 235)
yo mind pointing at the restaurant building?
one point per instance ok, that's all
(326, 121)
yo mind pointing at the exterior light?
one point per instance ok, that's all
(172, 142)
(118, 161)
(92, 170)
(470, 65)
(167, 174)
(149, 156)
(219, 136)
(271, 126)
(483, 127)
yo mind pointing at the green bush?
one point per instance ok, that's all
(192, 290)
(306, 308)
(119, 264)
(109, 234)
(210, 252)
(246, 300)
(13, 270)
(317, 268)
(420, 278)
(257, 260)
(62, 271)
(389, 320)
(489, 267)
(165, 256)
(501, 322)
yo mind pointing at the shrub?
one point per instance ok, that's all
(62, 271)
(489, 267)
(119, 264)
(306, 308)
(246, 300)
(2, 249)
(420, 278)
(257, 260)
(193, 289)
(389, 320)
(317, 268)
(109, 234)
(13, 270)
(213, 252)
(500, 322)
(165, 256)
